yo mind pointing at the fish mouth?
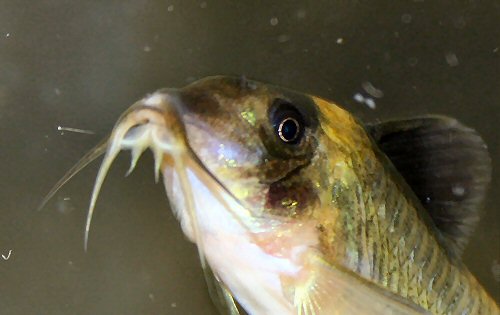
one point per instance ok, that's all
(156, 123)
(153, 123)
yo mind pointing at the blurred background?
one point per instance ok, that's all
(79, 64)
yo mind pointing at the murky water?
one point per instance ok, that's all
(80, 64)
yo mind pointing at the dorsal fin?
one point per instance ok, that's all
(448, 167)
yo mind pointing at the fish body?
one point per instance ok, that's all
(298, 208)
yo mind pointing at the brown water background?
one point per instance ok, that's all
(79, 64)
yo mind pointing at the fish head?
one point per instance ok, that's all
(268, 149)
(255, 139)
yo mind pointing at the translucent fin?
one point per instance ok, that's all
(447, 166)
(333, 290)
(220, 295)
(90, 156)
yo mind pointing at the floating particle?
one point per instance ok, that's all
(370, 103)
(359, 98)
(406, 18)
(451, 59)
(7, 35)
(170, 8)
(412, 61)
(370, 89)
(458, 191)
(147, 48)
(274, 21)
(203, 5)
(301, 14)
(90, 132)
(283, 38)
(57, 91)
(173, 305)
(340, 40)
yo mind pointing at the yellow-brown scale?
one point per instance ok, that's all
(375, 229)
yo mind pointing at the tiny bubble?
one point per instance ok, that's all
(170, 8)
(274, 21)
(406, 18)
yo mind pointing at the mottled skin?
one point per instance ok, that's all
(367, 219)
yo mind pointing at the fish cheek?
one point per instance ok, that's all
(292, 197)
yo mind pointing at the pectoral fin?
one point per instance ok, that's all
(336, 291)
(220, 295)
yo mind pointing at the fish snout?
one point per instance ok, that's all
(155, 123)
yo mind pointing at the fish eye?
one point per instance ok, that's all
(288, 123)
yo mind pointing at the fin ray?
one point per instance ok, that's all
(447, 166)
(335, 290)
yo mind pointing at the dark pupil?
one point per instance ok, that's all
(288, 129)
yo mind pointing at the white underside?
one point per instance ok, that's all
(252, 275)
